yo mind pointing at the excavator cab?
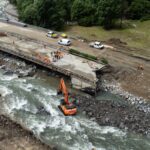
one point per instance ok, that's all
(68, 108)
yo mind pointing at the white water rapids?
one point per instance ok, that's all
(22, 99)
(3, 3)
(33, 103)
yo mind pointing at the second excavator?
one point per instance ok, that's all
(68, 108)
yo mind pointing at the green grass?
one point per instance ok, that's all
(104, 61)
(83, 55)
(136, 34)
(87, 56)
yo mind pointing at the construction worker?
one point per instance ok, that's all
(44, 46)
(140, 67)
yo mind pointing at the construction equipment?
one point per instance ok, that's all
(43, 58)
(68, 108)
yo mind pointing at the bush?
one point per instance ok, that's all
(83, 55)
(86, 21)
(139, 9)
(13, 2)
(83, 12)
(104, 61)
(145, 18)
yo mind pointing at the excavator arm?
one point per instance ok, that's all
(67, 108)
(63, 89)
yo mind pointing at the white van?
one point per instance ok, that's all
(66, 42)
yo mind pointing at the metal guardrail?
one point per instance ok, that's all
(34, 59)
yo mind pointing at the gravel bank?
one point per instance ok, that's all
(111, 79)
(110, 113)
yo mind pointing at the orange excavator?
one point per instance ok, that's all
(68, 108)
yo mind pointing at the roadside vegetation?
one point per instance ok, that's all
(135, 33)
(56, 13)
(83, 55)
(88, 56)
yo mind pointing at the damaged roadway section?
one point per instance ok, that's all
(81, 71)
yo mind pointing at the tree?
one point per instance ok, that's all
(50, 15)
(108, 11)
(139, 9)
(124, 6)
(47, 13)
(30, 14)
(66, 7)
(55, 13)
(13, 2)
(83, 12)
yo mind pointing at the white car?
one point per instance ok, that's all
(65, 42)
(97, 45)
(52, 34)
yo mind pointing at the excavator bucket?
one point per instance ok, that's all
(68, 111)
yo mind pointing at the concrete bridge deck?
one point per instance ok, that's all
(79, 69)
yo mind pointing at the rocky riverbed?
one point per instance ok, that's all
(125, 115)
(110, 81)
(12, 65)
(110, 113)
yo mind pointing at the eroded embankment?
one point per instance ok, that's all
(14, 137)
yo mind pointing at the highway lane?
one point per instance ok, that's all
(40, 35)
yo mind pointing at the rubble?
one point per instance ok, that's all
(113, 113)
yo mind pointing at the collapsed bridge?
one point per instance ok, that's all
(81, 71)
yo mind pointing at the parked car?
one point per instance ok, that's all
(64, 35)
(52, 34)
(66, 42)
(97, 45)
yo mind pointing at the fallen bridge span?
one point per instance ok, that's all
(80, 70)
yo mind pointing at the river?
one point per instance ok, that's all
(22, 98)
(32, 101)
(3, 3)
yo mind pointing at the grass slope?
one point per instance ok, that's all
(136, 34)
